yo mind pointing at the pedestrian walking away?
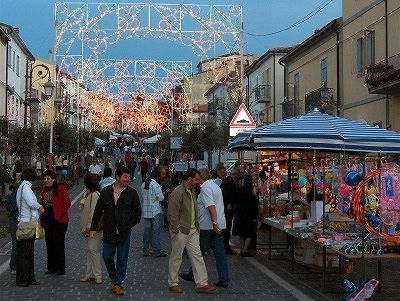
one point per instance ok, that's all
(120, 206)
(152, 196)
(56, 202)
(184, 231)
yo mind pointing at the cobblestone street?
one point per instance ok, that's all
(146, 277)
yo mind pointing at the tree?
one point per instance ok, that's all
(163, 144)
(22, 143)
(192, 144)
(85, 139)
(64, 139)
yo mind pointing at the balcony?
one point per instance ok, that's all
(291, 108)
(263, 94)
(384, 77)
(212, 108)
(322, 99)
(219, 103)
(35, 96)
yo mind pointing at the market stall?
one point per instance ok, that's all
(353, 183)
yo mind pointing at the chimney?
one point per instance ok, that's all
(317, 30)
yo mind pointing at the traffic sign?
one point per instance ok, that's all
(242, 118)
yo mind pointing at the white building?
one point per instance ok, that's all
(19, 60)
(264, 86)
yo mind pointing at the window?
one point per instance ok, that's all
(370, 48)
(9, 56)
(324, 70)
(13, 61)
(17, 67)
(268, 80)
(360, 56)
(296, 92)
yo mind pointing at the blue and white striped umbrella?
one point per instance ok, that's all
(316, 130)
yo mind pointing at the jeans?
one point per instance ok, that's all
(117, 274)
(151, 232)
(211, 240)
(13, 224)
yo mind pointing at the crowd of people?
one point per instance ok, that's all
(200, 212)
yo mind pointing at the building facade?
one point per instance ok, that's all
(19, 61)
(4, 39)
(371, 61)
(264, 86)
(311, 73)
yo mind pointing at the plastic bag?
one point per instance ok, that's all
(39, 231)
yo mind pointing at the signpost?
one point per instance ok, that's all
(241, 121)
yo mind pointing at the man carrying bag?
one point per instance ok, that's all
(28, 216)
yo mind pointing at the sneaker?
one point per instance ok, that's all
(86, 279)
(117, 290)
(98, 280)
(13, 272)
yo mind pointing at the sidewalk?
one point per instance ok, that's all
(146, 277)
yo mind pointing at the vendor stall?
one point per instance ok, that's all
(355, 193)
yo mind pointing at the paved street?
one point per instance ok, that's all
(146, 278)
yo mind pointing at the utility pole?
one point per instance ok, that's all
(241, 50)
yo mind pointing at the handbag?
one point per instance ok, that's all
(39, 231)
(100, 223)
(25, 230)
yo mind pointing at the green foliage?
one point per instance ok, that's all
(22, 142)
(163, 144)
(85, 139)
(192, 143)
(43, 140)
(5, 176)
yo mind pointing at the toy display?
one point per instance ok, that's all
(359, 293)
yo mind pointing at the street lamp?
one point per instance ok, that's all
(49, 89)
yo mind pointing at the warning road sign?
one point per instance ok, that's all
(242, 118)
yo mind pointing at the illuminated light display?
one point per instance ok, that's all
(141, 95)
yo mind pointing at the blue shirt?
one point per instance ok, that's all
(106, 182)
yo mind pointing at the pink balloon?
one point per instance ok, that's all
(344, 190)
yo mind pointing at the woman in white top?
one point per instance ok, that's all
(28, 210)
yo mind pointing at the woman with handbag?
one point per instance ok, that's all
(28, 216)
(87, 205)
(56, 202)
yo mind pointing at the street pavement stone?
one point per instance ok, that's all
(146, 276)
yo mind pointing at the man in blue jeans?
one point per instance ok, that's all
(120, 207)
(212, 224)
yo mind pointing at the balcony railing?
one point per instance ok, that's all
(263, 93)
(35, 96)
(291, 108)
(384, 77)
(212, 108)
(321, 99)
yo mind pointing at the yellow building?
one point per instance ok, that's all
(371, 61)
(311, 73)
(40, 105)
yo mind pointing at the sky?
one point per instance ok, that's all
(35, 19)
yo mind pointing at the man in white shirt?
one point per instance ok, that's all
(95, 168)
(210, 206)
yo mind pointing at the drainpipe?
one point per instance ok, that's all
(285, 85)
(274, 103)
(387, 101)
(338, 100)
(6, 100)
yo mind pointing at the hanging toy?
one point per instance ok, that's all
(345, 190)
(352, 178)
(371, 204)
(302, 181)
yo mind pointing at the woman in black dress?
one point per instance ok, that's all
(246, 213)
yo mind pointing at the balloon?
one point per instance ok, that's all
(303, 190)
(302, 172)
(296, 186)
(64, 172)
(344, 190)
(302, 181)
(352, 178)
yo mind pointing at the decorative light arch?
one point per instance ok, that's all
(85, 32)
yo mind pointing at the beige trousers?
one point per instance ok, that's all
(93, 256)
(191, 242)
